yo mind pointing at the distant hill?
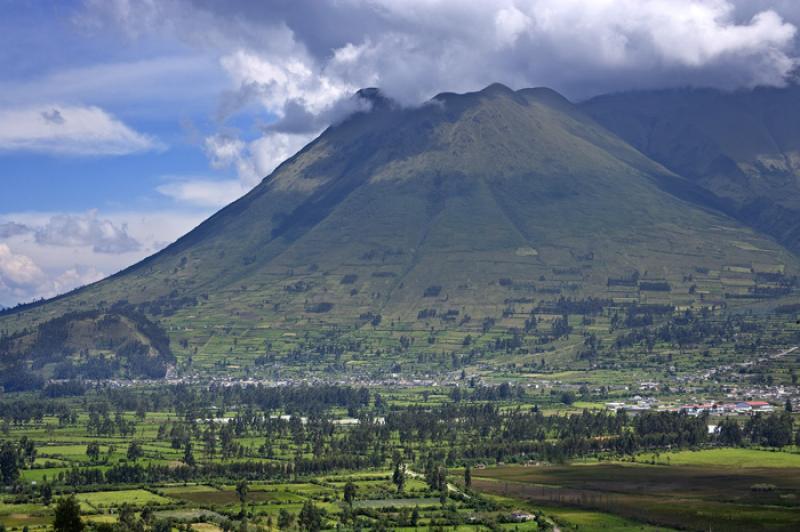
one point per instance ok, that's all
(743, 146)
(453, 211)
(92, 344)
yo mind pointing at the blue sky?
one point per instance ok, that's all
(124, 123)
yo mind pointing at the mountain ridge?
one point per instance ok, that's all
(473, 207)
(741, 146)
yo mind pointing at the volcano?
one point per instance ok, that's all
(461, 208)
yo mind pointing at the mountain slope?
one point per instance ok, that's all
(473, 206)
(744, 146)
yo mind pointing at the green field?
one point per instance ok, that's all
(690, 497)
(729, 458)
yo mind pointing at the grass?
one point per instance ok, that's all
(730, 458)
(397, 503)
(576, 518)
(722, 498)
(137, 497)
(19, 515)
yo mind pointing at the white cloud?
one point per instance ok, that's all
(18, 270)
(314, 50)
(73, 278)
(204, 192)
(32, 266)
(22, 279)
(510, 23)
(295, 62)
(282, 79)
(70, 230)
(69, 130)
(148, 88)
(256, 159)
(273, 148)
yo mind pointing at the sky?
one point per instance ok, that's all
(125, 123)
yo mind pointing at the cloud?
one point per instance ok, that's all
(50, 257)
(22, 279)
(143, 85)
(74, 277)
(18, 271)
(316, 50)
(11, 229)
(69, 130)
(255, 159)
(86, 230)
(204, 192)
(53, 116)
(293, 64)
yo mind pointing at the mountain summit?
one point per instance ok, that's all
(478, 205)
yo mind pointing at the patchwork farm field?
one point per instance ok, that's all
(260, 455)
(684, 497)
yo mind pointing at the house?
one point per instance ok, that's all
(522, 517)
(760, 406)
(692, 410)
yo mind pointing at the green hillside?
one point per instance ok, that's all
(94, 344)
(743, 146)
(474, 207)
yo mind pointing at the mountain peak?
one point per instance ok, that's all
(497, 88)
(375, 97)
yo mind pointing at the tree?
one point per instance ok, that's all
(349, 493)
(730, 433)
(93, 451)
(210, 437)
(241, 490)
(285, 519)
(468, 477)
(310, 518)
(442, 484)
(128, 521)
(9, 463)
(135, 451)
(46, 491)
(162, 525)
(188, 455)
(567, 397)
(399, 476)
(68, 515)
(27, 450)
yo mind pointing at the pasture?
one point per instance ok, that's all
(685, 497)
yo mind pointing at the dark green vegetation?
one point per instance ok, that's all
(311, 458)
(432, 230)
(91, 344)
